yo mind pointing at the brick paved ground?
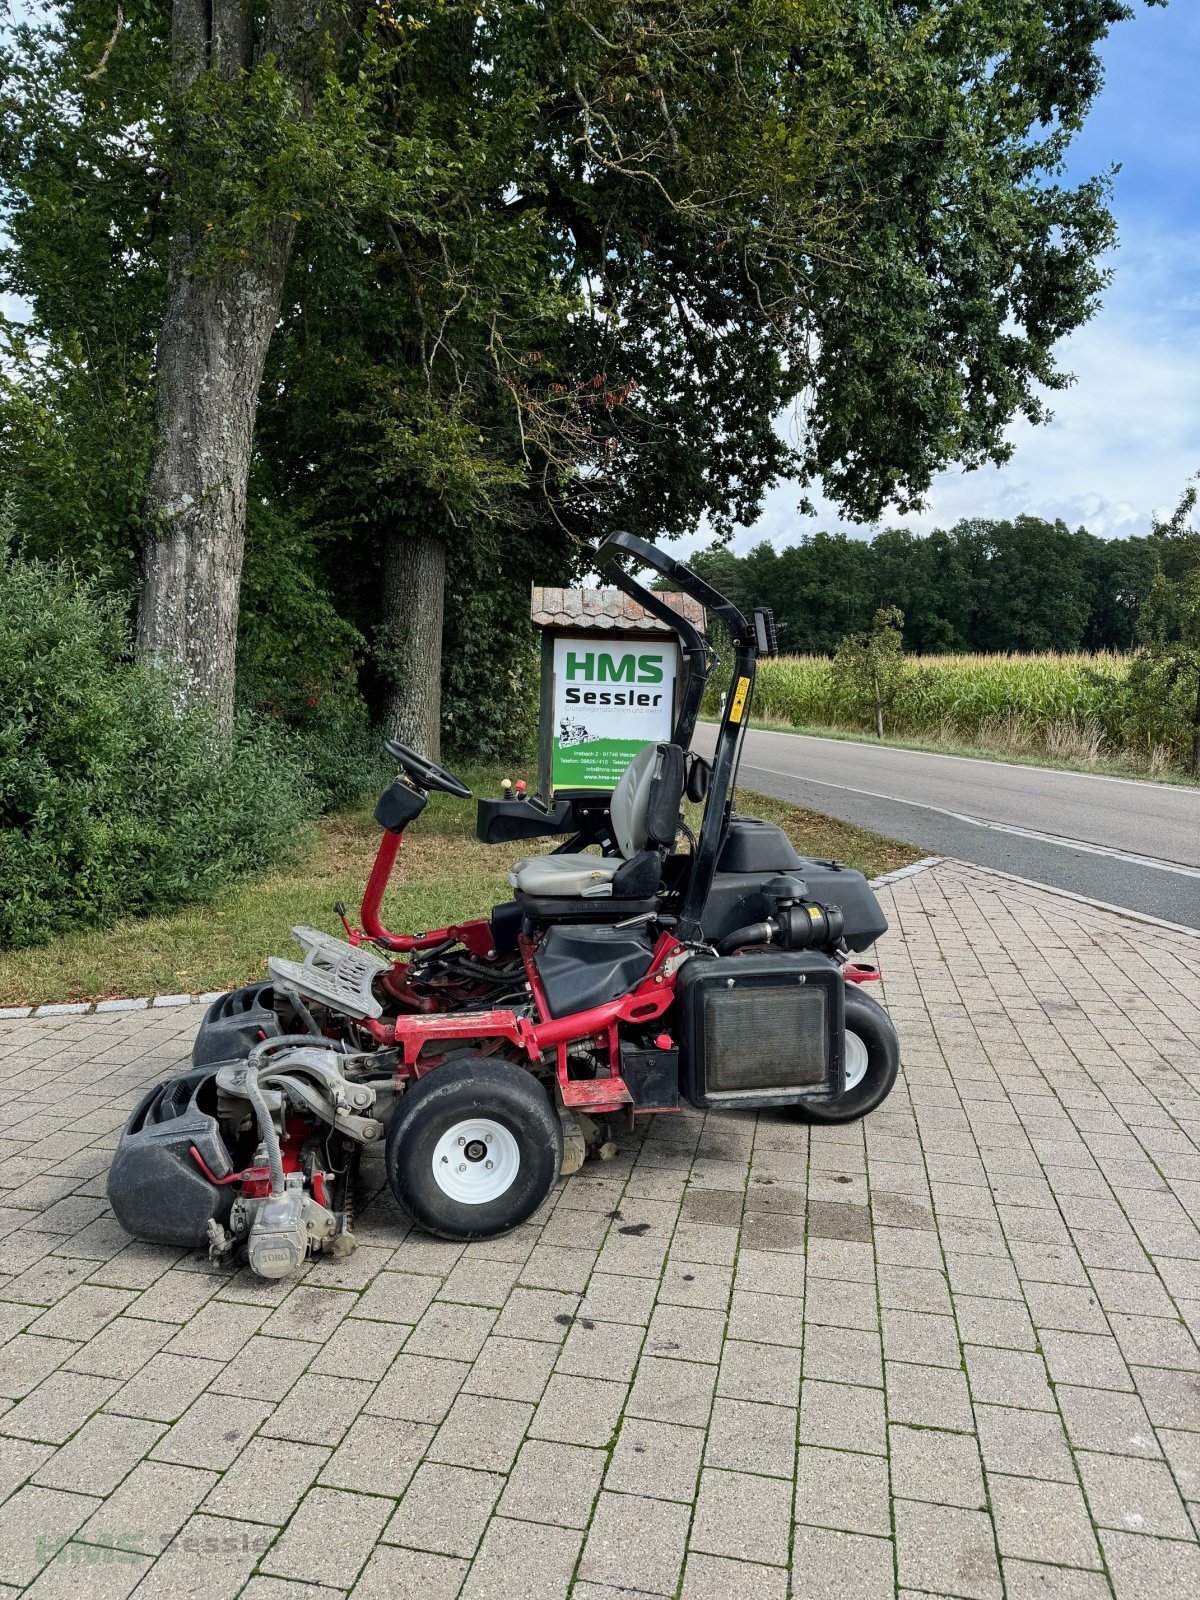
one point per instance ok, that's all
(949, 1352)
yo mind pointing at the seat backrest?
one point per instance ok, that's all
(645, 805)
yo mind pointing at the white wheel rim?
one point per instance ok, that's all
(476, 1161)
(856, 1060)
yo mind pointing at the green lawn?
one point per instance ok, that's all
(444, 874)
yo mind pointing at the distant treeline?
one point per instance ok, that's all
(982, 586)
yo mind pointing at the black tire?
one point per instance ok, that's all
(476, 1093)
(869, 1022)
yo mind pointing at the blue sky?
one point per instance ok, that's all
(1125, 439)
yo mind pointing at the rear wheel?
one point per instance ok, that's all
(474, 1148)
(872, 1060)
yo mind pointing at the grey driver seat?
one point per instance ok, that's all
(644, 814)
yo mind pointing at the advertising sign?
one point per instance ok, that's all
(611, 696)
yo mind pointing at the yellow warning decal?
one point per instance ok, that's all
(739, 700)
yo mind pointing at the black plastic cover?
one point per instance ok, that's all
(737, 898)
(582, 965)
(399, 805)
(752, 845)
(503, 821)
(234, 1024)
(652, 1076)
(540, 908)
(760, 1030)
(665, 798)
(506, 922)
(155, 1185)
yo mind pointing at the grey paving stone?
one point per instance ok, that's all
(480, 1432)
(544, 1557)
(1098, 1419)
(393, 1574)
(715, 1578)
(1134, 1496)
(363, 1349)
(212, 1431)
(418, 1388)
(1085, 1358)
(667, 1390)
(329, 1538)
(760, 1372)
(841, 1489)
(58, 1406)
(635, 1543)
(842, 1416)
(604, 1350)
(445, 1509)
(1035, 1580)
(122, 1349)
(772, 1319)
(843, 1355)
(267, 1481)
(79, 1568)
(1041, 1521)
(208, 1555)
(946, 1550)
(1008, 1377)
(317, 1410)
(686, 1333)
(451, 1332)
(28, 1358)
(746, 1518)
(34, 1524)
(19, 1460)
(378, 1455)
(659, 1459)
(932, 1464)
(1026, 1443)
(396, 1297)
(578, 1410)
(832, 1565)
(553, 1483)
(512, 1369)
(612, 1298)
(105, 1450)
(280, 1589)
(1142, 1568)
(164, 1387)
(928, 1397)
(148, 1509)
(748, 1436)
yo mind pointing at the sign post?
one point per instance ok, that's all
(610, 683)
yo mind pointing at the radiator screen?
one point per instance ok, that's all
(770, 1037)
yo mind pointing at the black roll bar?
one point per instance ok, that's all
(734, 718)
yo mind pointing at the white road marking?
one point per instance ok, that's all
(1064, 841)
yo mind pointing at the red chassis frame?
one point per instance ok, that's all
(645, 1003)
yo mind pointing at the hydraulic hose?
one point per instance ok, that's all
(255, 1096)
(752, 933)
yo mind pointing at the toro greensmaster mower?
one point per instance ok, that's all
(636, 967)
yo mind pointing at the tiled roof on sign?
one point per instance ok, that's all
(605, 610)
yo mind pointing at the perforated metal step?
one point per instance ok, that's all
(333, 972)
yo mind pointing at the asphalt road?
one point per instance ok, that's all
(1131, 844)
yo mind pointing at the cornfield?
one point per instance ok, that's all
(1072, 706)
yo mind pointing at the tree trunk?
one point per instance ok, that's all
(1196, 732)
(414, 583)
(212, 346)
(878, 704)
(211, 352)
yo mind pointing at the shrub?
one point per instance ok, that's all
(115, 797)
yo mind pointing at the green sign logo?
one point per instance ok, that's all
(597, 667)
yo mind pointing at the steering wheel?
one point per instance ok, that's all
(425, 773)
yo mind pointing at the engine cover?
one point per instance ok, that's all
(760, 1030)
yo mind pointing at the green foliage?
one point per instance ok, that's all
(1024, 585)
(871, 664)
(1164, 684)
(113, 799)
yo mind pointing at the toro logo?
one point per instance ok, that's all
(595, 667)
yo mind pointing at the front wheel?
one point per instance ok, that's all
(872, 1060)
(474, 1148)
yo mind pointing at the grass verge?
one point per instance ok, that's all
(444, 874)
(1101, 766)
